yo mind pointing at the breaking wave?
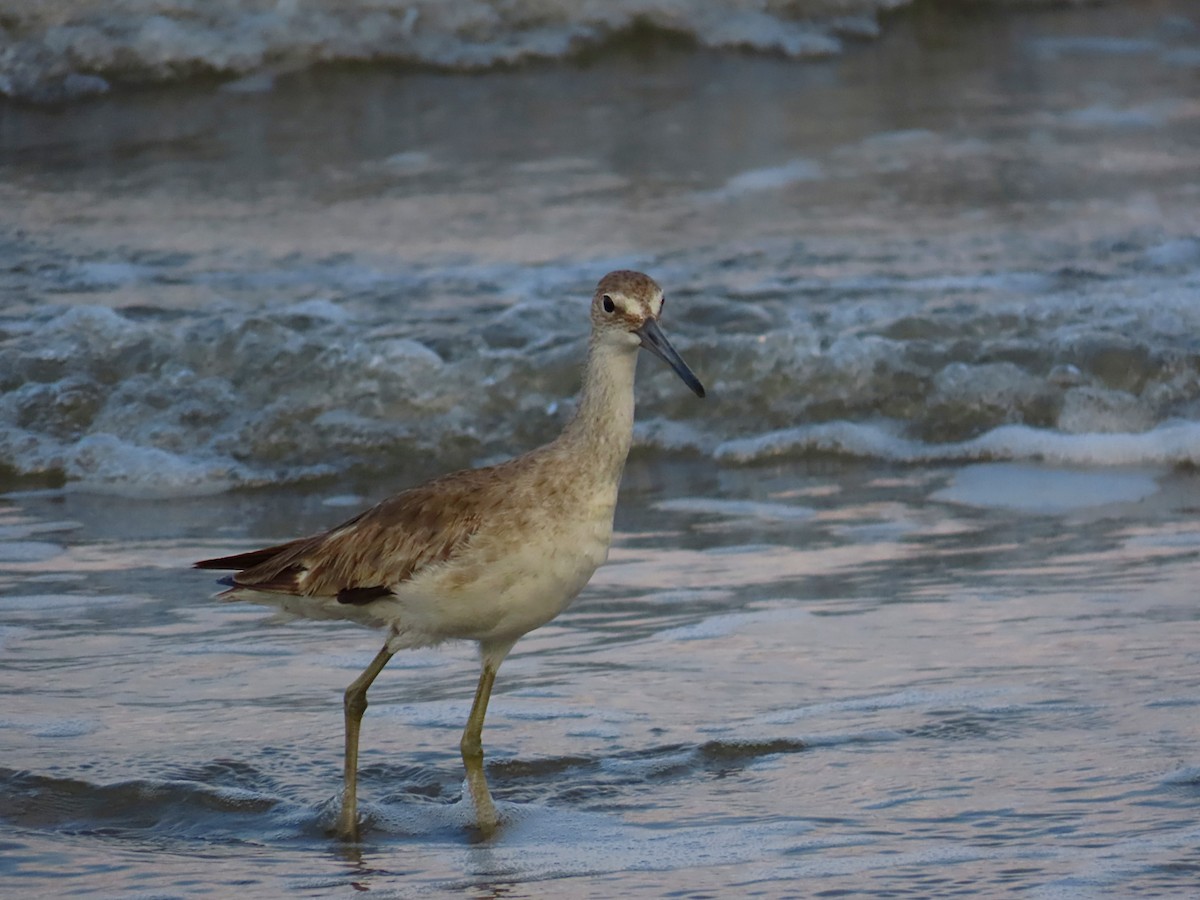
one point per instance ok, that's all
(1091, 371)
(75, 48)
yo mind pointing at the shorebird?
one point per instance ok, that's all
(487, 554)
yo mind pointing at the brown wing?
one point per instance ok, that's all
(247, 560)
(363, 558)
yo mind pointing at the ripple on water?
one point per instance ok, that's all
(36, 607)
(28, 551)
(49, 727)
(541, 842)
(737, 509)
(135, 807)
(956, 699)
(725, 624)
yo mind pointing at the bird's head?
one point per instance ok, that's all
(626, 308)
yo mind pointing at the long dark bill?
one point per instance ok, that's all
(656, 342)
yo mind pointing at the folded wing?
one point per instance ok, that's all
(368, 556)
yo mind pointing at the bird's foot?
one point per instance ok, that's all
(476, 792)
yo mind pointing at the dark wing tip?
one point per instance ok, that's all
(241, 561)
(361, 596)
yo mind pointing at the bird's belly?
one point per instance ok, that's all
(503, 589)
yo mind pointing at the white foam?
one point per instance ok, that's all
(737, 509)
(318, 308)
(720, 626)
(259, 83)
(28, 529)
(39, 608)
(160, 40)
(1170, 443)
(342, 390)
(1042, 490)
(535, 710)
(431, 714)
(255, 648)
(676, 437)
(344, 500)
(1189, 776)
(772, 178)
(1097, 45)
(106, 274)
(1174, 253)
(104, 463)
(964, 699)
(42, 726)
(28, 551)
(1101, 115)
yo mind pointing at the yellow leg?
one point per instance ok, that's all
(355, 705)
(472, 752)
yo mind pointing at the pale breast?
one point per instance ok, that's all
(513, 576)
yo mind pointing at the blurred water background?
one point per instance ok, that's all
(906, 607)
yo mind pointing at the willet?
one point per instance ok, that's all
(486, 554)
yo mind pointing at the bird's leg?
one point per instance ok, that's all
(355, 705)
(472, 751)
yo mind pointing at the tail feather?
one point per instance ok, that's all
(239, 562)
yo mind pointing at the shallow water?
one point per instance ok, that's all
(787, 681)
(905, 607)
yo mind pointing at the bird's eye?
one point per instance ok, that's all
(609, 306)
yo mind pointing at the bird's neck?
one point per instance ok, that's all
(603, 422)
